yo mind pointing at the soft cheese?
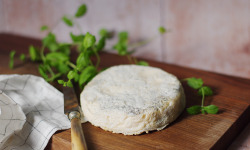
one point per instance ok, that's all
(131, 99)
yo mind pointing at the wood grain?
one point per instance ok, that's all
(232, 96)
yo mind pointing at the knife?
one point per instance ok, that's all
(72, 110)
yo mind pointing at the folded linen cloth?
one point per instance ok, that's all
(31, 111)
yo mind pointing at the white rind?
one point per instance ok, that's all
(131, 99)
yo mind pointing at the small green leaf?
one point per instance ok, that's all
(69, 84)
(162, 30)
(76, 77)
(89, 40)
(63, 68)
(58, 60)
(121, 48)
(211, 109)
(83, 60)
(207, 91)
(87, 74)
(64, 48)
(44, 67)
(76, 38)
(43, 28)
(12, 54)
(34, 53)
(55, 58)
(122, 45)
(60, 81)
(71, 75)
(53, 47)
(101, 44)
(142, 63)
(42, 71)
(22, 57)
(50, 42)
(194, 83)
(103, 32)
(203, 110)
(193, 110)
(123, 52)
(11, 62)
(81, 11)
(123, 36)
(50, 38)
(67, 21)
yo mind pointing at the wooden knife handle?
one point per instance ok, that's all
(77, 137)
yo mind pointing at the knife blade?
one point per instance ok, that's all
(73, 111)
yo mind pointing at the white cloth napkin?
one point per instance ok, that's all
(31, 111)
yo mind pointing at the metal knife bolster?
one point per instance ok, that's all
(71, 104)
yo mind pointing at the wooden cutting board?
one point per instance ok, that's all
(232, 96)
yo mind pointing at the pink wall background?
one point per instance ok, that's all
(209, 35)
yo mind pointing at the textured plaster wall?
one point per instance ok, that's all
(209, 35)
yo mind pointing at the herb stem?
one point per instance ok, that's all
(54, 77)
(141, 43)
(203, 97)
(42, 54)
(71, 64)
(50, 71)
(79, 27)
(135, 60)
(98, 59)
(129, 59)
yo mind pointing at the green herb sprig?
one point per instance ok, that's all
(11, 62)
(197, 84)
(12, 55)
(125, 49)
(54, 57)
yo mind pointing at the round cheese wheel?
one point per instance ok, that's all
(132, 99)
